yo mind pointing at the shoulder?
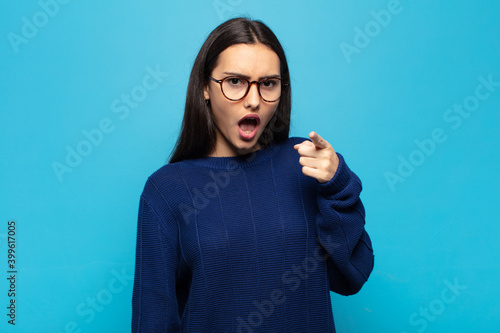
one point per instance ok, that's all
(297, 139)
(162, 182)
(293, 140)
(286, 147)
(286, 158)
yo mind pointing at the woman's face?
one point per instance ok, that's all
(253, 62)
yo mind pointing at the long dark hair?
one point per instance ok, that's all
(198, 131)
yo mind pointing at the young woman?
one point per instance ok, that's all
(246, 229)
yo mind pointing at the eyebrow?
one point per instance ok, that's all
(274, 76)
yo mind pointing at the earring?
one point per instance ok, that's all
(207, 101)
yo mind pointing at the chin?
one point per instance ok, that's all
(248, 146)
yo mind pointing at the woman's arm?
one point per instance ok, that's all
(340, 227)
(341, 218)
(154, 301)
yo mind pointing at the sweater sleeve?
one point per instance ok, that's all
(341, 232)
(154, 301)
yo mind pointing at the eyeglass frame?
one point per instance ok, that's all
(221, 81)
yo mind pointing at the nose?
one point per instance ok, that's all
(252, 99)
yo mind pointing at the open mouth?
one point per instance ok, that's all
(248, 126)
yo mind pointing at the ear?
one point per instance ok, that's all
(206, 93)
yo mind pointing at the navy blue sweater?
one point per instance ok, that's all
(247, 244)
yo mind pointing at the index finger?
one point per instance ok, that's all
(318, 141)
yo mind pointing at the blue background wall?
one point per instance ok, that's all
(408, 92)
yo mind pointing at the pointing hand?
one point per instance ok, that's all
(318, 158)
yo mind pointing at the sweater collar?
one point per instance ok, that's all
(236, 162)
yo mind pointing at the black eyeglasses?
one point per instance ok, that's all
(235, 88)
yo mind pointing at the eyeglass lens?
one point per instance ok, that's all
(236, 88)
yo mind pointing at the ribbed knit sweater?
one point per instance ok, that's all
(247, 244)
